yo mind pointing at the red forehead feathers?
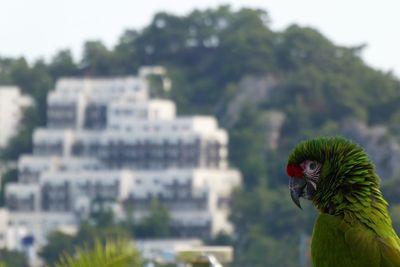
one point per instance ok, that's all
(294, 170)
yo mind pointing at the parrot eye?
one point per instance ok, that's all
(311, 167)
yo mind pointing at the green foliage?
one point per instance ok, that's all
(110, 254)
(97, 59)
(12, 258)
(247, 149)
(391, 193)
(395, 215)
(156, 224)
(22, 142)
(264, 251)
(63, 64)
(391, 190)
(9, 176)
(268, 227)
(222, 239)
(101, 213)
(103, 228)
(34, 80)
(59, 243)
(272, 210)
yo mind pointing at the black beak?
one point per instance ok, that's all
(297, 187)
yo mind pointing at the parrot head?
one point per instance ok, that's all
(327, 169)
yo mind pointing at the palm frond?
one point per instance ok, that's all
(118, 253)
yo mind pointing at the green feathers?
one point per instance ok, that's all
(354, 228)
(336, 242)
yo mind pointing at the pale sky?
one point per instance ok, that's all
(39, 28)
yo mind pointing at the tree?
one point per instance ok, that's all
(35, 81)
(222, 239)
(266, 224)
(12, 258)
(22, 142)
(58, 244)
(156, 224)
(101, 213)
(247, 146)
(264, 251)
(63, 64)
(97, 59)
(9, 176)
(125, 53)
(88, 234)
(394, 211)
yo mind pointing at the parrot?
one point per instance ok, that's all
(353, 227)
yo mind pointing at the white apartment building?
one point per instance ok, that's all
(198, 199)
(12, 103)
(82, 103)
(146, 144)
(107, 139)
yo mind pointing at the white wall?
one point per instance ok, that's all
(11, 105)
(39, 224)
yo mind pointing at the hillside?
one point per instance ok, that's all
(269, 89)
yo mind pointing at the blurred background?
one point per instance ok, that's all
(169, 123)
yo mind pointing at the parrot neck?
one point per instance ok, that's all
(364, 204)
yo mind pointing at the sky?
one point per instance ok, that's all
(40, 28)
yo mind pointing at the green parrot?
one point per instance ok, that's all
(353, 228)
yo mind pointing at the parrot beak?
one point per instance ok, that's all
(297, 188)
